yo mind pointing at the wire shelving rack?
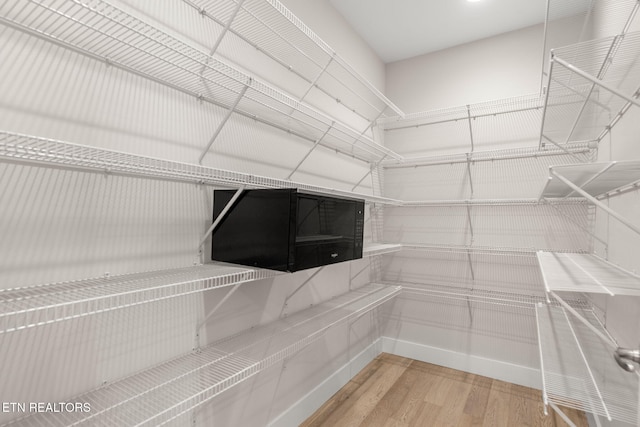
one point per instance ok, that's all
(26, 307)
(50, 152)
(270, 28)
(591, 86)
(620, 15)
(578, 368)
(101, 31)
(570, 272)
(40, 305)
(172, 389)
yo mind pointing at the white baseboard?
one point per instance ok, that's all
(307, 405)
(516, 374)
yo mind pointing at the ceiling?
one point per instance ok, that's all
(400, 29)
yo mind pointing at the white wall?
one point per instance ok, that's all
(493, 68)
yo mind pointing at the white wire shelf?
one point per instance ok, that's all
(50, 152)
(488, 296)
(32, 306)
(273, 30)
(476, 295)
(597, 179)
(578, 369)
(165, 392)
(579, 148)
(373, 249)
(463, 112)
(489, 202)
(572, 272)
(469, 249)
(586, 13)
(591, 85)
(101, 31)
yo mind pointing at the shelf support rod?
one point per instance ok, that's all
(617, 117)
(371, 168)
(603, 69)
(586, 363)
(315, 144)
(224, 120)
(469, 174)
(594, 177)
(545, 398)
(607, 340)
(220, 217)
(470, 128)
(597, 202)
(562, 414)
(562, 148)
(586, 230)
(546, 185)
(369, 126)
(546, 100)
(598, 282)
(222, 34)
(597, 81)
(315, 80)
(302, 285)
(470, 222)
(214, 310)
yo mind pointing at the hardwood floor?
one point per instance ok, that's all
(393, 391)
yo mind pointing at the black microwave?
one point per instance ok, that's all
(287, 230)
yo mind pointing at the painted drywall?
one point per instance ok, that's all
(497, 67)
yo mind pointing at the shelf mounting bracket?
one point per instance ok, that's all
(315, 144)
(222, 34)
(603, 69)
(606, 339)
(302, 285)
(596, 202)
(596, 80)
(470, 127)
(562, 414)
(370, 172)
(212, 312)
(220, 217)
(224, 120)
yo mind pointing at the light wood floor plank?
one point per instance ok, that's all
(393, 399)
(396, 392)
